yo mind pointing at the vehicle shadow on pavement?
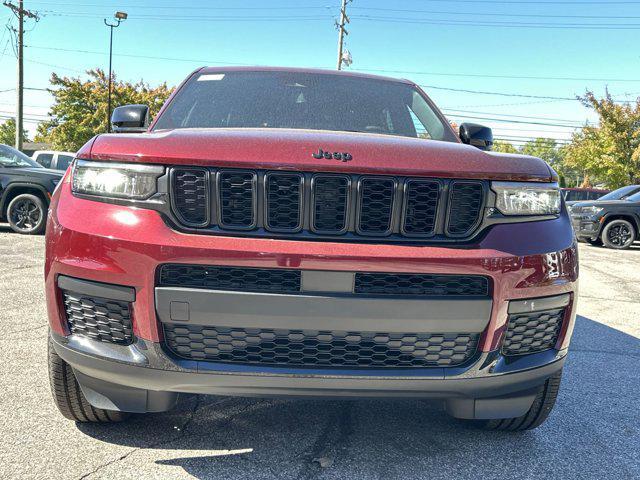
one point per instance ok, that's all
(593, 430)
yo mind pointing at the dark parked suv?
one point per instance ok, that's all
(25, 191)
(293, 232)
(612, 221)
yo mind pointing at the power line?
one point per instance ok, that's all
(505, 120)
(482, 75)
(510, 115)
(192, 18)
(494, 14)
(181, 7)
(471, 23)
(502, 94)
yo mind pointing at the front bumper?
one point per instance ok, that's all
(143, 378)
(120, 245)
(586, 226)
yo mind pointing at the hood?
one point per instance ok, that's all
(36, 172)
(578, 206)
(281, 149)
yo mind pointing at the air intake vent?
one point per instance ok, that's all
(532, 332)
(376, 197)
(190, 188)
(426, 285)
(237, 197)
(100, 319)
(284, 196)
(273, 280)
(318, 348)
(465, 207)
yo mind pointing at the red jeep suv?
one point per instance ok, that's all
(294, 232)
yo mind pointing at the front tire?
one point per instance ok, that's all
(68, 396)
(537, 414)
(618, 234)
(27, 214)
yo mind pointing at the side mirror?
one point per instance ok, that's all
(476, 135)
(130, 119)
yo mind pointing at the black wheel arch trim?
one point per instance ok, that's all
(12, 186)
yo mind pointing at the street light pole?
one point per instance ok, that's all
(119, 17)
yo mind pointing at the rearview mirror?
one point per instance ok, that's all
(130, 119)
(476, 135)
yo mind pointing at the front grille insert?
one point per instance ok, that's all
(237, 196)
(284, 197)
(100, 319)
(376, 198)
(310, 206)
(318, 348)
(532, 332)
(421, 207)
(190, 188)
(427, 285)
(330, 194)
(272, 280)
(465, 207)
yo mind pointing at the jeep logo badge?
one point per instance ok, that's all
(342, 156)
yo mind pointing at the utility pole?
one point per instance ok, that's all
(342, 31)
(20, 13)
(119, 18)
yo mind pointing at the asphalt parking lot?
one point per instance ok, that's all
(594, 431)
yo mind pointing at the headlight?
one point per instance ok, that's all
(119, 180)
(592, 210)
(515, 198)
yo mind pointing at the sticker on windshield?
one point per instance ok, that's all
(210, 77)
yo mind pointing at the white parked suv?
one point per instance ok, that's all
(53, 159)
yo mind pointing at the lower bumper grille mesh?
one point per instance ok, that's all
(319, 348)
(99, 318)
(532, 332)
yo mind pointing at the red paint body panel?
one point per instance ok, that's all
(281, 149)
(124, 245)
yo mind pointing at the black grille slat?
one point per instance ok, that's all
(427, 285)
(465, 206)
(376, 197)
(97, 318)
(237, 197)
(284, 194)
(318, 348)
(230, 278)
(191, 195)
(421, 207)
(330, 203)
(532, 332)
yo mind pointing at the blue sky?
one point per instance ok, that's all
(455, 44)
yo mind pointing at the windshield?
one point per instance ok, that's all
(10, 157)
(621, 193)
(303, 101)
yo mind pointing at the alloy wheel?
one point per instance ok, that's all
(26, 215)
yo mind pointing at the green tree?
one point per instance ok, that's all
(8, 132)
(504, 147)
(544, 148)
(80, 107)
(611, 150)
